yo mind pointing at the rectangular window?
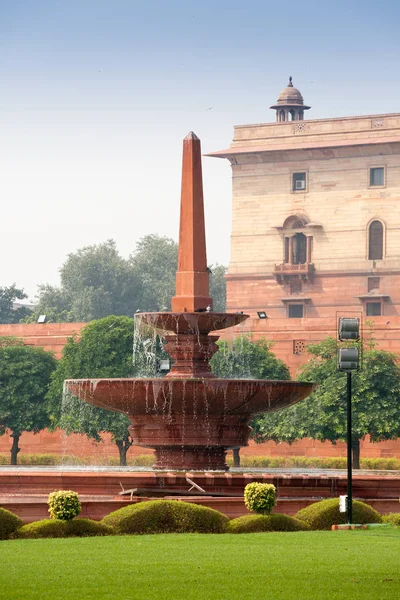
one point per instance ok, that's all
(295, 311)
(377, 176)
(299, 182)
(373, 309)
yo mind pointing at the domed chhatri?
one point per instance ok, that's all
(290, 104)
(189, 417)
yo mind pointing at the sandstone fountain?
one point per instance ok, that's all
(190, 418)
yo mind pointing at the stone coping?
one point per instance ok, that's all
(233, 473)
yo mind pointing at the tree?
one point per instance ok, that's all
(95, 282)
(218, 287)
(9, 314)
(53, 302)
(246, 359)
(25, 373)
(322, 416)
(154, 264)
(103, 350)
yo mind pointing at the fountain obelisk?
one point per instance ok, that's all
(192, 277)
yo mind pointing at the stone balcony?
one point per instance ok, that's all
(285, 271)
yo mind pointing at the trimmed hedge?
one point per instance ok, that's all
(393, 518)
(87, 528)
(324, 514)
(166, 516)
(57, 528)
(9, 523)
(260, 523)
(47, 528)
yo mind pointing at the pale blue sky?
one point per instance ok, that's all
(96, 96)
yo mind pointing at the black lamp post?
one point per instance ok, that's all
(348, 361)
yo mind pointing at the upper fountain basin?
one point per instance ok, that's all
(196, 397)
(193, 322)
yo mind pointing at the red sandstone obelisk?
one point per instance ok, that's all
(192, 286)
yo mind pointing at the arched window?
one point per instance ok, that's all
(375, 241)
(295, 222)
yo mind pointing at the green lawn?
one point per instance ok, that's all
(304, 565)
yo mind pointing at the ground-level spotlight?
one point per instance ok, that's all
(165, 365)
(262, 314)
(42, 319)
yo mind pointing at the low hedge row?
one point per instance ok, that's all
(322, 515)
(9, 523)
(393, 518)
(260, 462)
(166, 516)
(55, 528)
(172, 516)
(260, 523)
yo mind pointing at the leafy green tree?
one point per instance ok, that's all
(95, 282)
(218, 287)
(154, 264)
(246, 359)
(25, 373)
(9, 314)
(54, 302)
(322, 416)
(103, 350)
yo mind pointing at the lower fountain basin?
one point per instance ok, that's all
(190, 423)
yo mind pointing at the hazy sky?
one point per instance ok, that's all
(96, 97)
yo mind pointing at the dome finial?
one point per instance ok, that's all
(290, 105)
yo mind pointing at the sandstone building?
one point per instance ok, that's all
(316, 218)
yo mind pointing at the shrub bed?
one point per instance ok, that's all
(393, 518)
(260, 523)
(87, 528)
(166, 516)
(9, 523)
(324, 514)
(47, 528)
(57, 528)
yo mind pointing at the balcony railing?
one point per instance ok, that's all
(282, 270)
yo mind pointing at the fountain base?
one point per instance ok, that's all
(191, 458)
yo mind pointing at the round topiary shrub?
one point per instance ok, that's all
(166, 516)
(47, 528)
(64, 505)
(87, 528)
(393, 518)
(9, 523)
(324, 514)
(260, 497)
(260, 523)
